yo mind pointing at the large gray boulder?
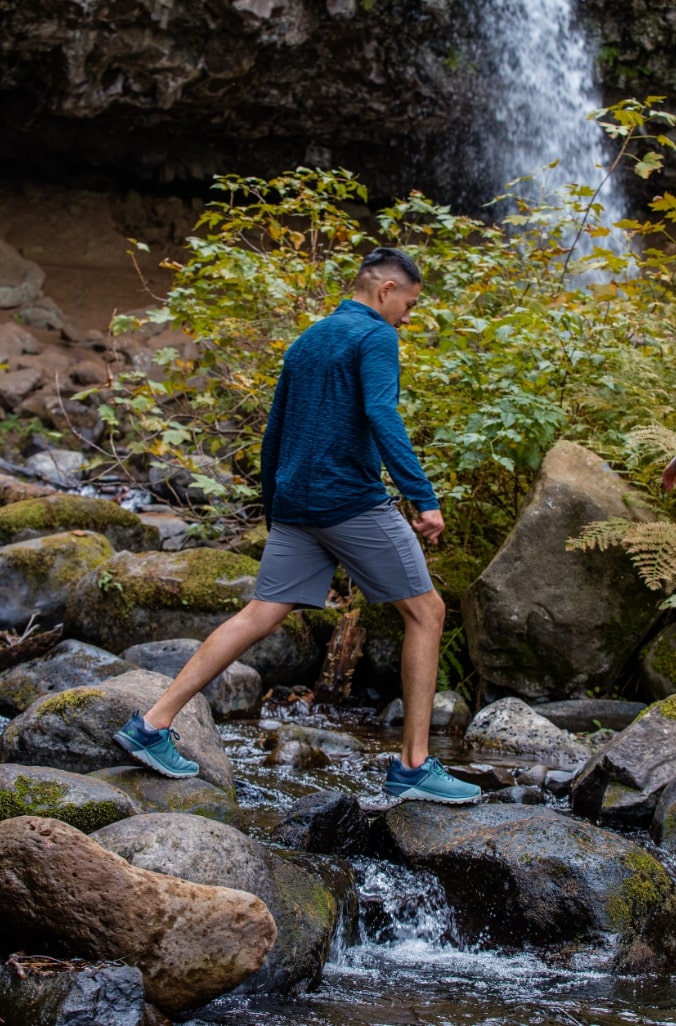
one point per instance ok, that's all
(190, 941)
(74, 729)
(193, 848)
(518, 875)
(544, 622)
(621, 784)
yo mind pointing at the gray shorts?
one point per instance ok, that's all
(379, 550)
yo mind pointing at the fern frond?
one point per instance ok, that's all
(650, 443)
(652, 549)
(600, 534)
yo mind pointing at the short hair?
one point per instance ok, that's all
(389, 259)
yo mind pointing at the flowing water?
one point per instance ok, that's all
(410, 966)
(535, 72)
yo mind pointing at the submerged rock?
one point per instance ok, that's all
(510, 725)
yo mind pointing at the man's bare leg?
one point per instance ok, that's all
(423, 626)
(222, 647)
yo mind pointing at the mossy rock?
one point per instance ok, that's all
(658, 664)
(51, 514)
(38, 576)
(85, 803)
(134, 598)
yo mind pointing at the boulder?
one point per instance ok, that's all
(61, 467)
(190, 941)
(657, 666)
(586, 715)
(83, 802)
(70, 664)
(74, 730)
(151, 792)
(518, 875)
(20, 279)
(51, 514)
(544, 622)
(53, 992)
(328, 822)
(510, 725)
(663, 826)
(622, 782)
(39, 576)
(305, 911)
(236, 690)
(12, 489)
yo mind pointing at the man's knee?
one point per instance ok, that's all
(426, 610)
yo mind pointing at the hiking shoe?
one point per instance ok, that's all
(430, 782)
(155, 748)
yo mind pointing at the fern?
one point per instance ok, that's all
(651, 548)
(651, 443)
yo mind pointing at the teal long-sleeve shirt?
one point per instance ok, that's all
(334, 422)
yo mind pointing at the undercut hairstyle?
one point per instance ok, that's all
(386, 260)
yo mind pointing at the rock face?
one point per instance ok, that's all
(548, 623)
(190, 941)
(184, 90)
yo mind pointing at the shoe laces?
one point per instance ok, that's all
(435, 766)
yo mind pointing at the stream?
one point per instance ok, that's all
(410, 966)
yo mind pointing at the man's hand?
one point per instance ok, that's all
(669, 475)
(430, 524)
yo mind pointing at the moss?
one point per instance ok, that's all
(641, 894)
(41, 798)
(54, 557)
(76, 699)
(206, 579)
(663, 657)
(61, 513)
(667, 707)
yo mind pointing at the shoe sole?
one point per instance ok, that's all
(146, 759)
(420, 796)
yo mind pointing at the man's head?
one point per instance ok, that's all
(389, 282)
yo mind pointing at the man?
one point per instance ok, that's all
(333, 422)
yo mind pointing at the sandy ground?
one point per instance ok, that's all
(80, 241)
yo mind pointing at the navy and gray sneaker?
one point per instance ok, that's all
(429, 782)
(155, 748)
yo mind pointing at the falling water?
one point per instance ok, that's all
(543, 89)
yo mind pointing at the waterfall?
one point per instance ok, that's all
(543, 89)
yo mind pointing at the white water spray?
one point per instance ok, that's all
(545, 85)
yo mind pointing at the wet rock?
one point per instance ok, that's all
(622, 782)
(153, 793)
(329, 822)
(61, 467)
(520, 875)
(297, 754)
(190, 941)
(582, 715)
(547, 623)
(519, 794)
(74, 729)
(66, 993)
(84, 802)
(236, 690)
(37, 517)
(510, 725)
(70, 664)
(658, 664)
(663, 825)
(205, 852)
(39, 576)
(450, 710)
(336, 744)
(20, 280)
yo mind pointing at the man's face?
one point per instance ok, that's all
(397, 300)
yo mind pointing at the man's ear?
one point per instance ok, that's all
(386, 287)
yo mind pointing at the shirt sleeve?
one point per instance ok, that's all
(379, 376)
(270, 448)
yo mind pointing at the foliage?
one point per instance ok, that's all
(546, 323)
(651, 545)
